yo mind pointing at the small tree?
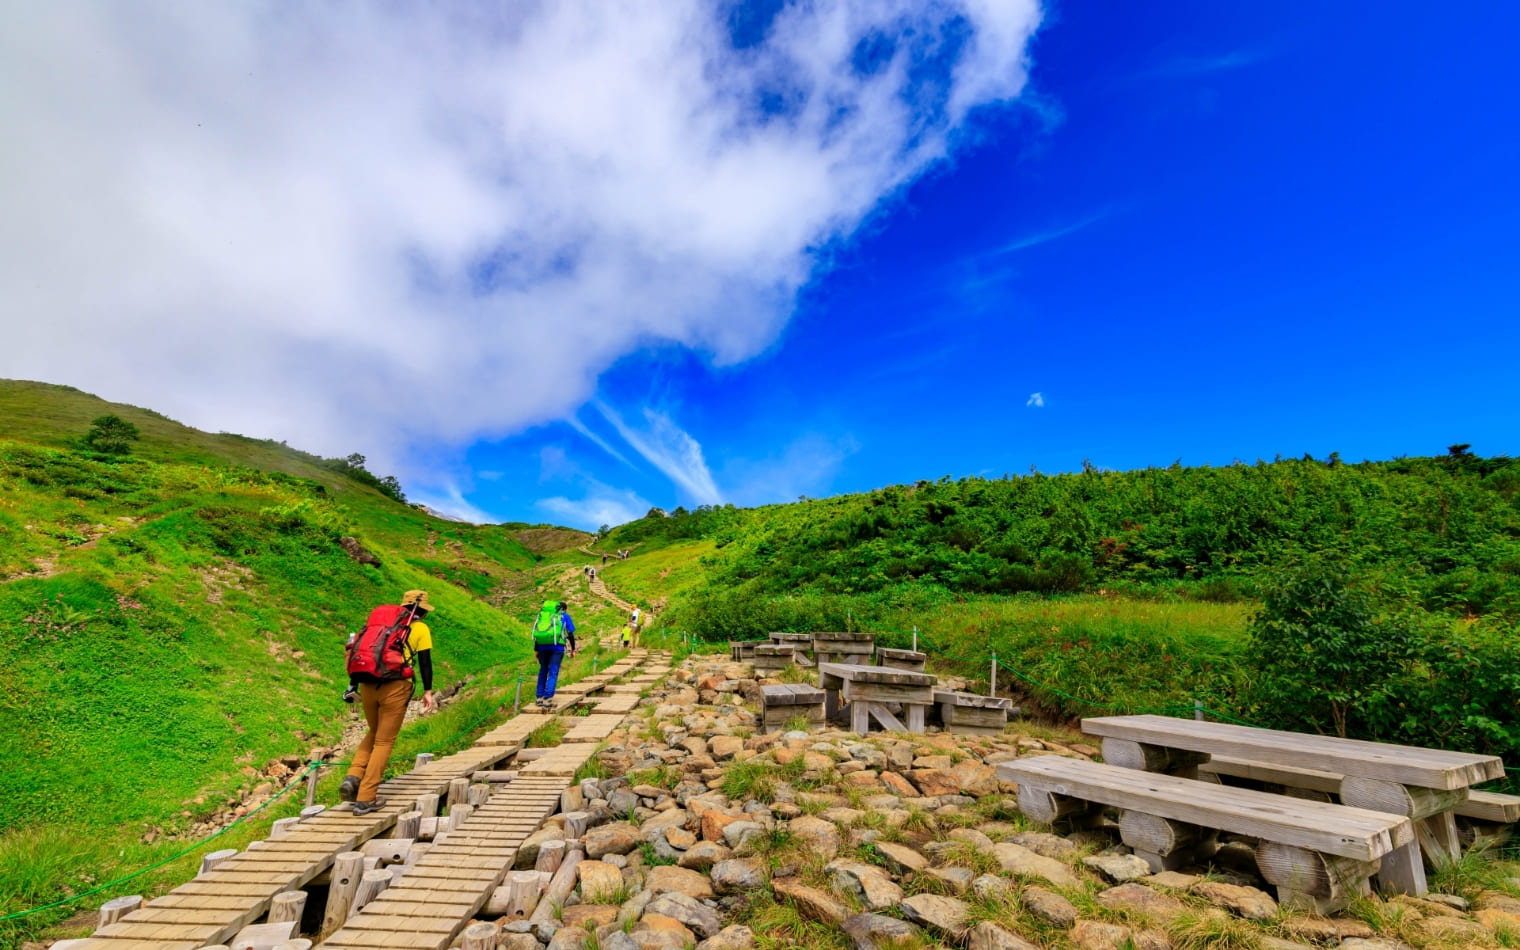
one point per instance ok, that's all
(111, 434)
(1322, 649)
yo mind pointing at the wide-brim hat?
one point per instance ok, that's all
(418, 597)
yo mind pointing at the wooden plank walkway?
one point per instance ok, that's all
(592, 728)
(617, 703)
(438, 895)
(213, 907)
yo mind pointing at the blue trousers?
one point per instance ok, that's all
(548, 669)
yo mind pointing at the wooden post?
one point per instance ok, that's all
(288, 906)
(118, 907)
(311, 787)
(517, 697)
(458, 814)
(522, 894)
(312, 811)
(575, 823)
(370, 886)
(423, 758)
(992, 678)
(915, 639)
(1198, 710)
(550, 855)
(459, 790)
(860, 717)
(407, 825)
(281, 828)
(559, 888)
(346, 871)
(478, 795)
(211, 860)
(428, 804)
(478, 936)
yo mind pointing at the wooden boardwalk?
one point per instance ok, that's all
(433, 898)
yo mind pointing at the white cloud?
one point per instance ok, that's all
(670, 449)
(449, 500)
(1035, 400)
(806, 467)
(393, 226)
(598, 441)
(601, 505)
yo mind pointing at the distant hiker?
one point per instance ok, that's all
(549, 632)
(604, 560)
(627, 634)
(564, 618)
(382, 660)
(635, 620)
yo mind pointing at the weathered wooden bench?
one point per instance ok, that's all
(1318, 855)
(1424, 785)
(774, 656)
(970, 714)
(902, 659)
(868, 690)
(853, 648)
(779, 704)
(740, 650)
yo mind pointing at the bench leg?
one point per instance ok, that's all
(1312, 882)
(1041, 805)
(1403, 871)
(1165, 845)
(884, 716)
(915, 717)
(1152, 758)
(1438, 838)
(832, 711)
(860, 718)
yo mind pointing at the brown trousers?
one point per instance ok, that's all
(384, 708)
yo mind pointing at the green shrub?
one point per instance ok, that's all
(112, 435)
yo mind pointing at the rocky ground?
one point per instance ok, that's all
(706, 833)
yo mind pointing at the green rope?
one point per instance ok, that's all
(17, 915)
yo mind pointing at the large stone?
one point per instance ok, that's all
(971, 836)
(989, 936)
(527, 853)
(990, 887)
(935, 781)
(599, 880)
(1049, 907)
(588, 916)
(1017, 859)
(1141, 900)
(1093, 935)
(809, 901)
(1457, 931)
(724, 747)
(703, 855)
(821, 837)
(693, 914)
(732, 937)
(1322, 930)
(679, 838)
(945, 914)
(569, 938)
(664, 821)
(957, 879)
(1049, 845)
(737, 875)
(680, 880)
(866, 884)
(898, 785)
(739, 832)
(974, 778)
(713, 823)
(1247, 902)
(658, 932)
(900, 858)
(617, 838)
(1119, 868)
(875, 932)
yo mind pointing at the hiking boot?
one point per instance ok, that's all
(348, 789)
(365, 808)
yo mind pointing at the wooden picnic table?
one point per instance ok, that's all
(869, 688)
(1425, 785)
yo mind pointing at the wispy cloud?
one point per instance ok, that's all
(1037, 238)
(449, 500)
(601, 505)
(575, 423)
(670, 449)
(1035, 401)
(806, 467)
(1203, 65)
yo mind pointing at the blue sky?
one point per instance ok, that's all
(1209, 232)
(565, 262)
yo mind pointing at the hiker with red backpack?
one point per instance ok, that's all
(384, 659)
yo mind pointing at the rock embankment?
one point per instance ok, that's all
(703, 832)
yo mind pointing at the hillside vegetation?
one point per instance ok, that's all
(1142, 590)
(180, 613)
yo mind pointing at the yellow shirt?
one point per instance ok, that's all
(421, 637)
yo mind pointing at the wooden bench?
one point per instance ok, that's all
(782, 703)
(740, 650)
(868, 690)
(774, 656)
(1424, 785)
(902, 659)
(970, 714)
(1318, 855)
(853, 648)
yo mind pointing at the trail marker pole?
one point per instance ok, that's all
(993, 675)
(311, 786)
(517, 699)
(1198, 710)
(915, 639)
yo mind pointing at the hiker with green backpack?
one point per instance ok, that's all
(550, 632)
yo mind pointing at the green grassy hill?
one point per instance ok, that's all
(180, 615)
(1127, 591)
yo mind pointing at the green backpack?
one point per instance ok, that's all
(548, 629)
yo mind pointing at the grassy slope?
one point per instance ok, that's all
(180, 616)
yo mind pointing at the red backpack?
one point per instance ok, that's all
(381, 653)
